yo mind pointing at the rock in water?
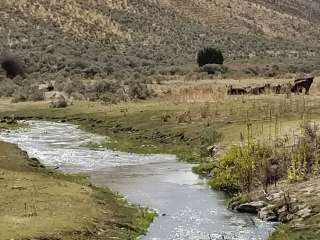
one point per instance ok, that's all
(252, 207)
(268, 213)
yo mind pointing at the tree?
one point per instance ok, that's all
(12, 66)
(209, 55)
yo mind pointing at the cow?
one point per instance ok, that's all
(276, 89)
(302, 83)
(235, 91)
(260, 90)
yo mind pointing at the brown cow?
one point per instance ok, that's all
(259, 90)
(272, 173)
(235, 91)
(276, 89)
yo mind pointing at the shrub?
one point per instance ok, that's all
(139, 91)
(27, 93)
(35, 95)
(205, 110)
(109, 98)
(77, 96)
(240, 167)
(106, 91)
(211, 136)
(209, 55)
(184, 117)
(7, 88)
(59, 85)
(304, 156)
(75, 86)
(102, 87)
(20, 95)
(253, 164)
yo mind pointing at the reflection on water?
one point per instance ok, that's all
(187, 208)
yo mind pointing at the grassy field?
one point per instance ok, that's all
(184, 121)
(175, 123)
(40, 203)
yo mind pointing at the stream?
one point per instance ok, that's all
(187, 208)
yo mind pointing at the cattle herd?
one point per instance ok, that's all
(300, 85)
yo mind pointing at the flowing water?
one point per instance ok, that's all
(187, 208)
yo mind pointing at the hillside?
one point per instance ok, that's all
(308, 10)
(122, 37)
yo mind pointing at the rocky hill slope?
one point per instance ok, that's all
(138, 36)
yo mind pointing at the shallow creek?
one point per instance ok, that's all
(187, 208)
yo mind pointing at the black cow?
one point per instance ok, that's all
(302, 83)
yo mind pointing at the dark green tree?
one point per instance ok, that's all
(209, 55)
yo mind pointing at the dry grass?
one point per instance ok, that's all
(235, 112)
(127, 39)
(38, 203)
(205, 102)
(33, 204)
(209, 95)
(81, 19)
(246, 16)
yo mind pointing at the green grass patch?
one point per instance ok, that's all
(133, 145)
(284, 232)
(204, 168)
(134, 219)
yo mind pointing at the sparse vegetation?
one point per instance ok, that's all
(252, 164)
(77, 46)
(7, 88)
(139, 91)
(209, 138)
(28, 93)
(205, 110)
